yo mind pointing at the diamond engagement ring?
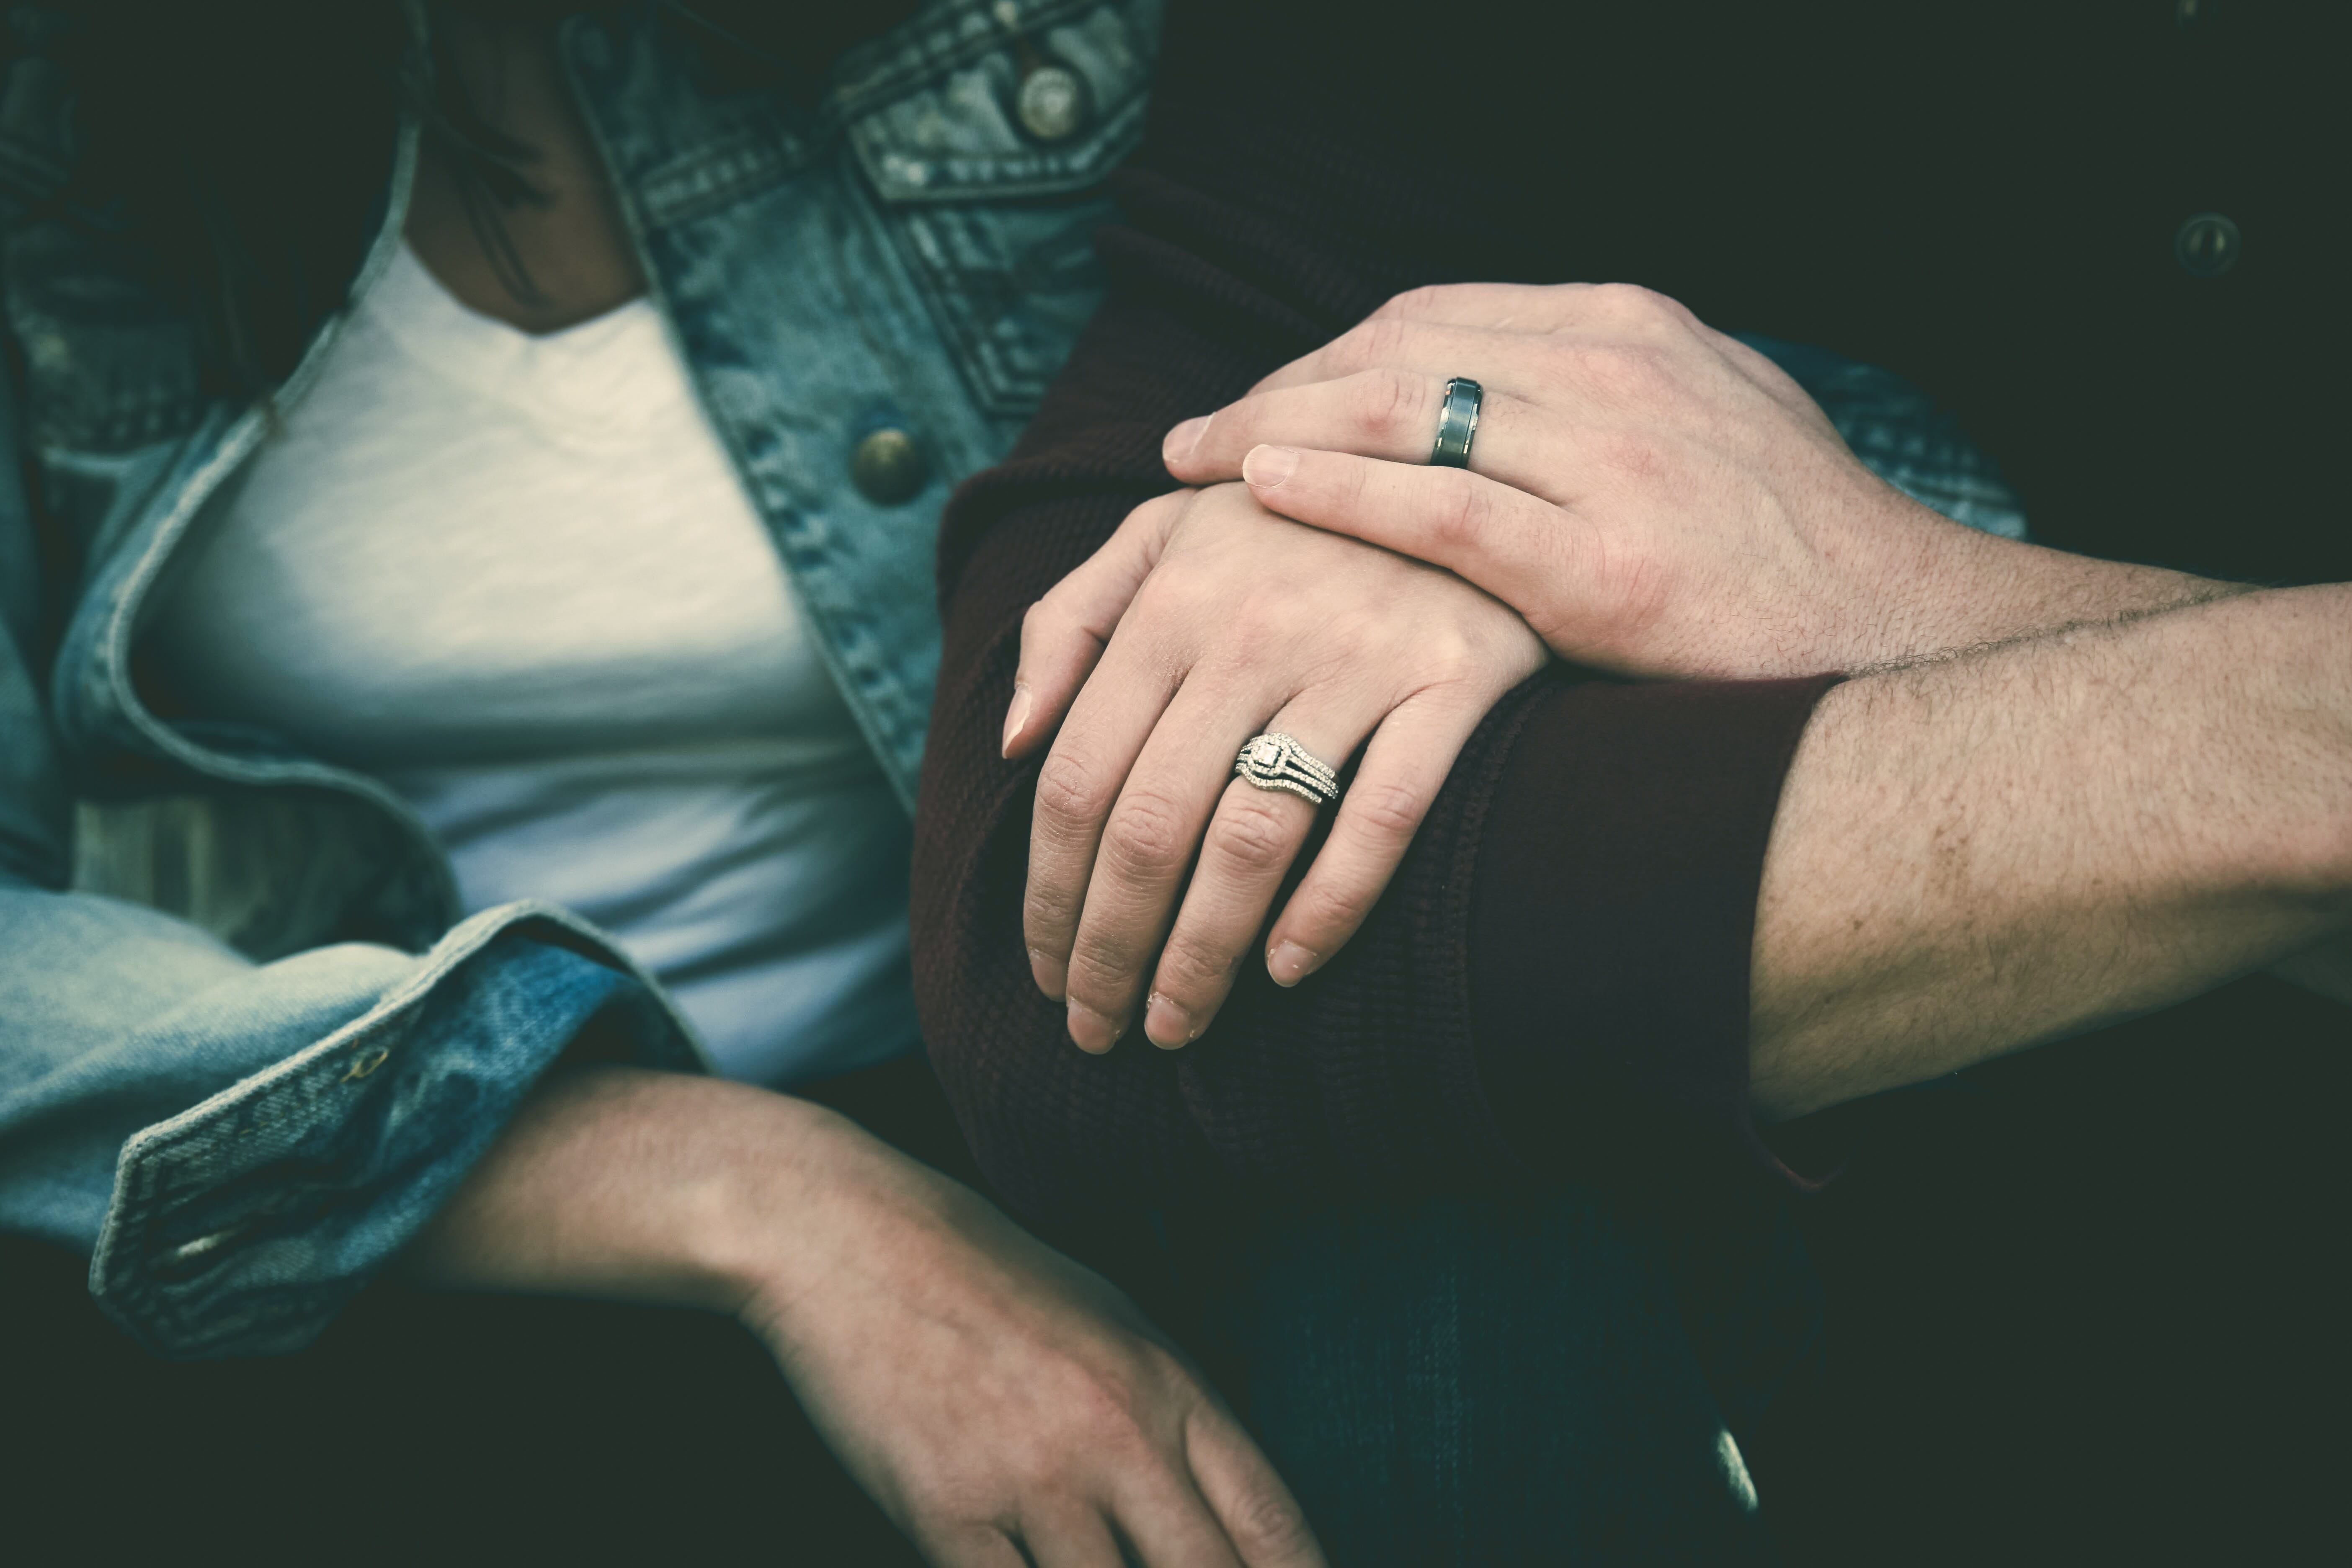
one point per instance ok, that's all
(1276, 761)
(1457, 423)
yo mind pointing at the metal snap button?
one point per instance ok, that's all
(888, 468)
(1052, 104)
(2207, 245)
(179, 1262)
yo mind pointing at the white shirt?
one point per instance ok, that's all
(517, 578)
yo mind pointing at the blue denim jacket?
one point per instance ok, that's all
(246, 1044)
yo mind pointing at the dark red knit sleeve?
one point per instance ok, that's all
(1568, 936)
(1613, 917)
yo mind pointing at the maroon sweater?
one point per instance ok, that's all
(1557, 979)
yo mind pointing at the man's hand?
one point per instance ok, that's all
(1656, 498)
(1204, 620)
(1003, 1405)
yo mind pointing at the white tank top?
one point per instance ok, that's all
(517, 578)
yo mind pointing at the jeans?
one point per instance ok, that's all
(1553, 1377)
(1539, 1378)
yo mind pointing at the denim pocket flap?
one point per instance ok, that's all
(990, 100)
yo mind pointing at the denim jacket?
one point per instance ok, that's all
(247, 1042)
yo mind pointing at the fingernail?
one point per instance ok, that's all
(1092, 1031)
(1015, 717)
(1266, 467)
(1183, 439)
(1289, 963)
(1168, 1025)
(1052, 976)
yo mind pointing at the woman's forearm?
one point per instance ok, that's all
(618, 1182)
(981, 1388)
(1980, 854)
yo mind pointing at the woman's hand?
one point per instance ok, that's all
(988, 1391)
(1656, 498)
(994, 1397)
(1203, 620)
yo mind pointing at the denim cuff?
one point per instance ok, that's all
(241, 1226)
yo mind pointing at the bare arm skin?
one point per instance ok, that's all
(982, 1388)
(1990, 852)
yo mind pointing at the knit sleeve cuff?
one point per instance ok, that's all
(1612, 916)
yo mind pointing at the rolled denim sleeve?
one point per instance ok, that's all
(241, 1147)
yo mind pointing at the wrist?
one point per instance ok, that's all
(825, 1200)
(1919, 586)
(2295, 645)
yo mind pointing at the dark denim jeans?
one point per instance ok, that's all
(1555, 1377)
(1550, 1379)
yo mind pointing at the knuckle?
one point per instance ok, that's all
(1452, 653)
(1268, 1523)
(1389, 404)
(1097, 1408)
(1251, 836)
(1416, 301)
(1387, 809)
(1190, 972)
(1632, 304)
(1177, 593)
(1323, 914)
(1071, 793)
(1046, 910)
(1104, 968)
(1149, 837)
(1354, 632)
(1255, 624)
(1462, 508)
(1043, 624)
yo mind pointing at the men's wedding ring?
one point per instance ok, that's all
(1457, 423)
(1276, 761)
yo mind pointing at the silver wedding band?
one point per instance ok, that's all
(1276, 761)
(1457, 423)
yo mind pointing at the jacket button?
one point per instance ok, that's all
(2207, 245)
(1053, 103)
(888, 468)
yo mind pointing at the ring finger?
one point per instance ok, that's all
(1147, 843)
(1248, 850)
(1388, 413)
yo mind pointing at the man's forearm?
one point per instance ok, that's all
(1990, 852)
